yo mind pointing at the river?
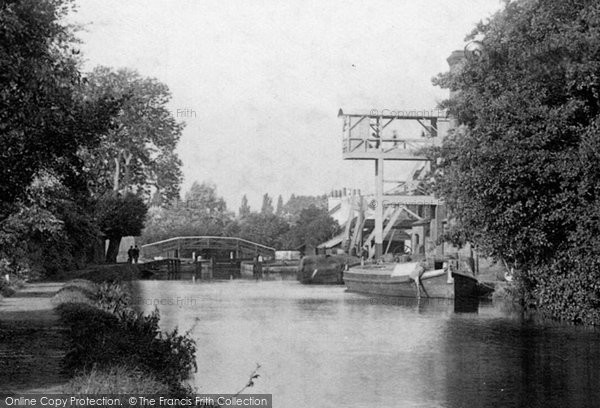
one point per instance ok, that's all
(320, 346)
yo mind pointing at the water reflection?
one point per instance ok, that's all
(517, 363)
(466, 305)
(323, 346)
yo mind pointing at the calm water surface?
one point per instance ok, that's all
(322, 346)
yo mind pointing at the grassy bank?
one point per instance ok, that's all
(114, 348)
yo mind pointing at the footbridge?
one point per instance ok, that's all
(207, 247)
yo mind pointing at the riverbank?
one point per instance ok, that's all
(83, 337)
(33, 340)
(111, 344)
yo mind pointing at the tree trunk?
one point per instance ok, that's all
(126, 182)
(96, 251)
(117, 172)
(113, 249)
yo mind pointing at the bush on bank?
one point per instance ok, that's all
(105, 332)
(568, 289)
(7, 289)
(77, 291)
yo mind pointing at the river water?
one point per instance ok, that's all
(320, 346)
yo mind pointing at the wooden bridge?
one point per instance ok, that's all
(207, 246)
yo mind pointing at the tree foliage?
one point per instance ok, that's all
(120, 216)
(294, 206)
(43, 119)
(204, 197)
(138, 153)
(49, 231)
(244, 207)
(264, 228)
(267, 205)
(520, 174)
(279, 208)
(314, 226)
(203, 212)
(45, 122)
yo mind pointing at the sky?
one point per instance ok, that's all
(259, 83)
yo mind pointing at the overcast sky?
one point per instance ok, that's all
(265, 79)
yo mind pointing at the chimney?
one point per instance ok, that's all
(454, 61)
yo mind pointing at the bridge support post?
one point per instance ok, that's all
(379, 208)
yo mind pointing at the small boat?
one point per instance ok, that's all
(324, 269)
(411, 279)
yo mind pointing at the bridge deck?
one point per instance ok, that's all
(242, 248)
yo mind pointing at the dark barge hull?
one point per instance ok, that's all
(435, 284)
(324, 269)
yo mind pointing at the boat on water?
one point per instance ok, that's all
(325, 269)
(271, 270)
(412, 279)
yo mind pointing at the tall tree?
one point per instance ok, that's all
(44, 121)
(138, 153)
(279, 208)
(204, 197)
(244, 207)
(520, 175)
(267, 205)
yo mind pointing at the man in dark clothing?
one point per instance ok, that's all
(259, 263)
(129, 254)
(136, 254)
(255, 267)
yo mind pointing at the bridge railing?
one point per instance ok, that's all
(243, 248)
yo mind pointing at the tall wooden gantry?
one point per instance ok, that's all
(367, 136)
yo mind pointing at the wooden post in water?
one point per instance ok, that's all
(378, 208)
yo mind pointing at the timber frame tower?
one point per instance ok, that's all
(368, 136)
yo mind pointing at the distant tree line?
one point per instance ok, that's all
(302, 221)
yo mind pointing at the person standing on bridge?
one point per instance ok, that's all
(129, 254)
(136, 254)
(260, 266)
(255, 267)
